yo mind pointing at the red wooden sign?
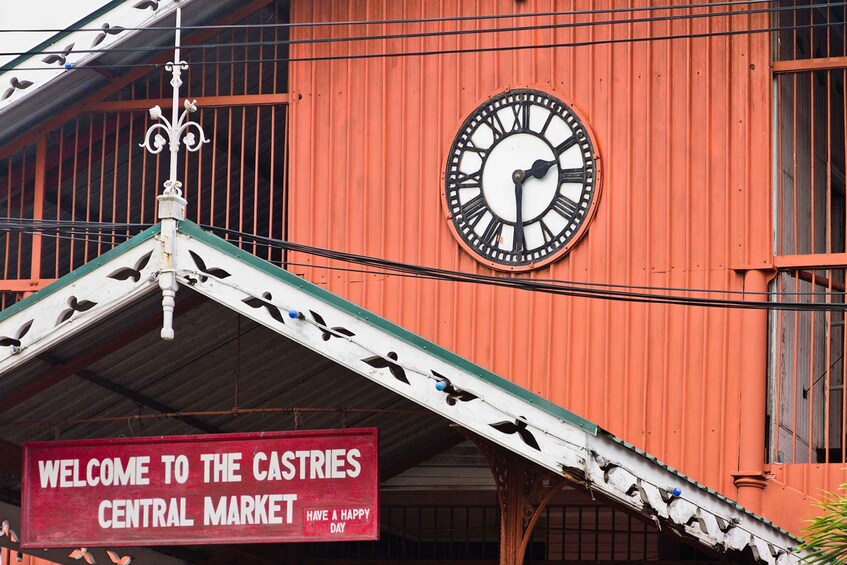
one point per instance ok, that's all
(234, 488)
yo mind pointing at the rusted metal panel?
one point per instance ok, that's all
(683, 129)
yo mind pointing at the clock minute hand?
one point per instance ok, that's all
(517, 239)
(539, 169)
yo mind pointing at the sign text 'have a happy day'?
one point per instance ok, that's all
(239, 488)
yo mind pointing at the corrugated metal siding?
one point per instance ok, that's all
(684, 134)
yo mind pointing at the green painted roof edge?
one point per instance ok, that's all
(80, 272)
(55, 38)
(193, 230)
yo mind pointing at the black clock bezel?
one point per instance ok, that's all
(577, 220)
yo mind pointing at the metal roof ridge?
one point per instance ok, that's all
(71, 277)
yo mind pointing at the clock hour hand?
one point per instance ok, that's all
(539, 169)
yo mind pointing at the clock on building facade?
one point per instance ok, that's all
(522, 180)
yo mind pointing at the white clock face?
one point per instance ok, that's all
(521, 180)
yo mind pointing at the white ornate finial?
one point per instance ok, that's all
(178, 128)
(171, 132)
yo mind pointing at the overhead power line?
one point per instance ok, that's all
(456, 51)
(444, 33)
(444, 19)
(75, 230)
(457, 33)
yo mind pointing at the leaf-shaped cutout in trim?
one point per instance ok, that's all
(16, 341)
(343, 331)
(75, 306)
(60, 58)
(16, 84)
(133, 273)
(124, 273)
(65, 316)
(327, 332)
(81, 305)
(107, 29)
(454, 394)
(144, 4)
(24, 329)
(518, 426)
(20, 84)
(211, 271)
(142, 261)
(265, 302)
(396, 370)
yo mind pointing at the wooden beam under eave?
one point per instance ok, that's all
(202, 102)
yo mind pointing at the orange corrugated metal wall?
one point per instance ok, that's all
(684, 133)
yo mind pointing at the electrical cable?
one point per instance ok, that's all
(422, 53)
(562, 288)
(692, 6)
(456, 51)
(445, 33)
(549, 286)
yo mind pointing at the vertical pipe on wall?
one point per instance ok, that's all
(750, 479)
(38, 205)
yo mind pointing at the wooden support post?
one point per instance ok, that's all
(524, 490)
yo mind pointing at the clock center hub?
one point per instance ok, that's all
(504, 167)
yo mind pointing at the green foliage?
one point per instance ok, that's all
(826, 535)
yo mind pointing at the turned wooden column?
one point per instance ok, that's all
(523, 489)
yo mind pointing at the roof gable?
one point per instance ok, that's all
(396, 359)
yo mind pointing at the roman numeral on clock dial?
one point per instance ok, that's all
(566, 144)
(470, 180)
(546, 232)
(494, 122)
(474, 209)
(572, 175)
(493, 231)
(521, 115)
(565, 206)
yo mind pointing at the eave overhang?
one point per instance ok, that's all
(396, 359)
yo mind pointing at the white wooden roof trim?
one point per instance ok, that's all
(63, 53)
